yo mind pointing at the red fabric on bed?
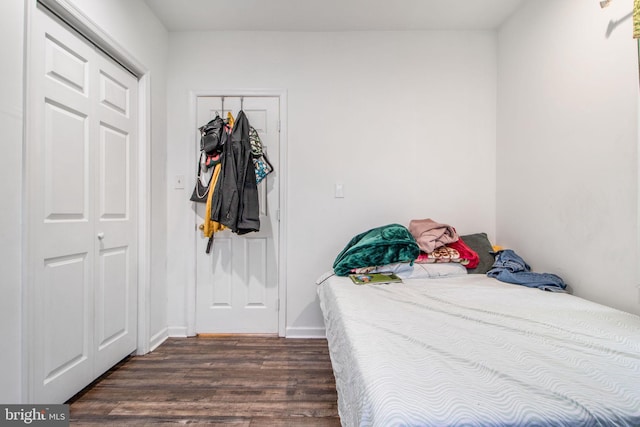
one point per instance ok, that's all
(453, 252)
(466, 253)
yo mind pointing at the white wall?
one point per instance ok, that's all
(404, 120)
(11, 29)
(132, 25)
(567, 145)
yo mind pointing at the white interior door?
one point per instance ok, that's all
(81, 231)
(237, 283)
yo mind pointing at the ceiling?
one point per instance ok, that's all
(331, 15)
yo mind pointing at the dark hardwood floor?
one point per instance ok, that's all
(227, 380)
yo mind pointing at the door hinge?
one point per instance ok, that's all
(278, 304)
(279, 125)
(278, 215)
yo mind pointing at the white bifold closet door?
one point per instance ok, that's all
(81, 208)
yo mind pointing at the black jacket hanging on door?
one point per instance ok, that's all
(235, 199)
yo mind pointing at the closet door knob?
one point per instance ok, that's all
(100, 236)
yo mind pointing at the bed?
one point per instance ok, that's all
(468, 350)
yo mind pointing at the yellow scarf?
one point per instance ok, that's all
(636, 19)
(209, 227)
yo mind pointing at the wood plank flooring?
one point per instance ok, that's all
(226, 380)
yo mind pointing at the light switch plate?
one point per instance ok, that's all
(178, 182)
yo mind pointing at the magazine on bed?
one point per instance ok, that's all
(374, 278)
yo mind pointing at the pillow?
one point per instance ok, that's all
(480, 244)
(441, 269)
(400, 269)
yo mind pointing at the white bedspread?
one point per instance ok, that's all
(473, 351)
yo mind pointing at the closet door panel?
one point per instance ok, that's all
(66, 183)
(60, 232)
(65, 64)
(116, 221)
(113, 286)
(114, 93)
(114, 174)
(67, 310)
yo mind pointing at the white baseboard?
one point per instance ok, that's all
(304, 332)
(177, 331)
(158, 339)
(291, 332)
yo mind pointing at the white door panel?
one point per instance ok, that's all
(66, 62)
(64, 317)
(59, 186)
(237, 283)
(114, 94)
(111, 296)
(115, 229)
(65, 164)
(82, 228)
(113, 179)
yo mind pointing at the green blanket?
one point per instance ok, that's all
(379, 246)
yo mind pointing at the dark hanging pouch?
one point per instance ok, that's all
(201, 191)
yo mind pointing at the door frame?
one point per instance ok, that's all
(191, 282)
(76, 19)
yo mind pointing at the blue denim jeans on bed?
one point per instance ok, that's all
(509, 267)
